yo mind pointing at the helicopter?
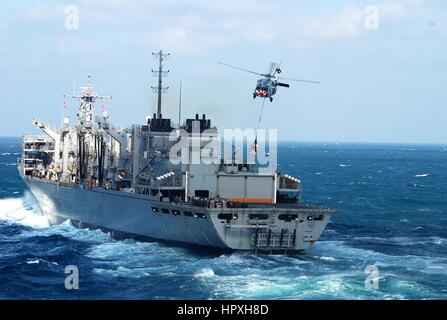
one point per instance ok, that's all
(268, 85)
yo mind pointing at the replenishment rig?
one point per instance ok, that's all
(158, 182)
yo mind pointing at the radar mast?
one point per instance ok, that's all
(160, 56)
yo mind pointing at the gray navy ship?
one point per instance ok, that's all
(124, 181)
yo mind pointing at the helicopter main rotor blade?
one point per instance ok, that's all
(272, 69)
(234, 67)
(301, 80)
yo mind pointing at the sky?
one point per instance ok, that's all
(382, 64)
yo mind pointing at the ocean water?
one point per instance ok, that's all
(393, 214)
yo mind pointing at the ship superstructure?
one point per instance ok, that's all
(124, 180)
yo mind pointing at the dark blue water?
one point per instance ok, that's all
(393, 202)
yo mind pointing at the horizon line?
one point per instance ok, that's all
(325, 142)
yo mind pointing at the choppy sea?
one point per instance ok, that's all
(393, 216)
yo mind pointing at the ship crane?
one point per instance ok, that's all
(52, 134)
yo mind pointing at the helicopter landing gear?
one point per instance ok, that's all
(271, 99)
(254, 96)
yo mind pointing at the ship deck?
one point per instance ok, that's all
(253, 207)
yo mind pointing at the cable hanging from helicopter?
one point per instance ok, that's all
(254, 147)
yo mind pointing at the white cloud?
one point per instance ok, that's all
(79, 47)
(393, 10)
(235, 7)
(187, 41)
(45, 12)
(197, 26)
(2, 29)
(344, 24)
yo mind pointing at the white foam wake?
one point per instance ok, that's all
(24, 211)
(423, 175)
(205, 273)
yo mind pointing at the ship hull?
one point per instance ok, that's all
(130, 215)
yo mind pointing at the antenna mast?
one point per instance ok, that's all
(87, 98)
(160, 56)
(180, 106)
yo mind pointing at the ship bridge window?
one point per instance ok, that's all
(202, 193)
(316, 217)
(258, 216)
(227, 216)
(188, 214)
(154, 209)
(176, 212)
(165, 210)
(288, 217)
